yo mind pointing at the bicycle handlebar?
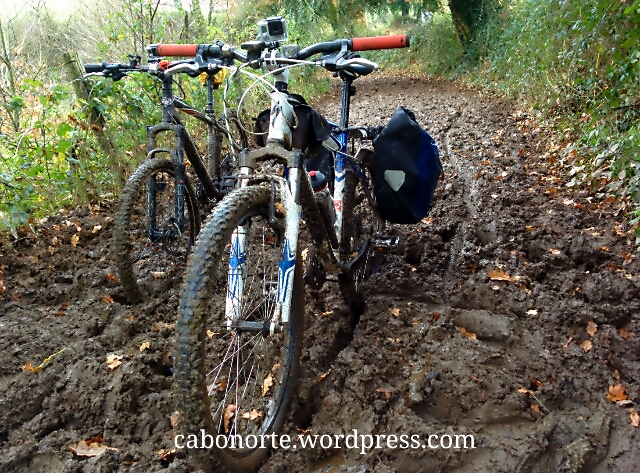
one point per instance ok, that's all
(355, 44)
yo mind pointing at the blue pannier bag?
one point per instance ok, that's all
(406, 169)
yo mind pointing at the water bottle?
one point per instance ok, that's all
(323, 195)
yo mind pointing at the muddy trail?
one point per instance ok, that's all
(511, 313)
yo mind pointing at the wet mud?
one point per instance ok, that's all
(507, 314)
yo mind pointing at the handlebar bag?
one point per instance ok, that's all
(406, 169)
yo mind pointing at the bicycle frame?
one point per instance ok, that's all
(297, 195)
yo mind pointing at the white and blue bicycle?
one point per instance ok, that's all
(241, 314)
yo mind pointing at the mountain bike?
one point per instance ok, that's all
(241, 313)
(158, 217)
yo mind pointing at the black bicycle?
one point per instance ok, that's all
(158, 217)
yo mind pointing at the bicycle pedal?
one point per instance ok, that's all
(228, 183)
(385, 242)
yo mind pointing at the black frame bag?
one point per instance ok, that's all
(406, 169)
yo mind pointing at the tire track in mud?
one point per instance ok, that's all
(467, 196)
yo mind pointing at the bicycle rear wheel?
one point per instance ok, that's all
(228, 146)
(150, 248)
(361, 224)
(236, 380)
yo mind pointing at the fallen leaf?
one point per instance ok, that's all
(525, 391)
(592, 328)
(29, 367)
(253, 415)
(395, 312)
(625, 334)
(617, 393)
(166, 455)
(96, 228)
(229, 412)
(174, 418)
(210, 333)
(386, 393)
(536, 382)
(51, 250)
(530, 228)
(499, 275)
(635, 417)
(553, 251)
(535, 408)
(586, 345)
(145, 345)
(113, 361)
(467, 334)
(436, 316)
(33, 258)
(280, 208)
(268, 382)
(74, 240)
(89, 448)
(107, 299)
(111, 278)
(532, 312)
(566, 345)
(324, 375)
(616, 374)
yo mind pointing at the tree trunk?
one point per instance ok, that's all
(96, 123)
(468, 16)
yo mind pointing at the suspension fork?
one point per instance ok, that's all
(237, 272)
(177, 160)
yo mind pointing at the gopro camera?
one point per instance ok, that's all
(272, 29)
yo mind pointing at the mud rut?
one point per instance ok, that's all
(500, 212)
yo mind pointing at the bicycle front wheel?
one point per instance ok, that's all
(235, 378)
(151, 247)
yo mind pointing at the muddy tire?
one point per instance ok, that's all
(231, 382)
(149, 264)
(360, 224)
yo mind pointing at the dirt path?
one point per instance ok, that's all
(528, 269)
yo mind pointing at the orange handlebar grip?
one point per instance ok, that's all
(183, 50)
(380, 42)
